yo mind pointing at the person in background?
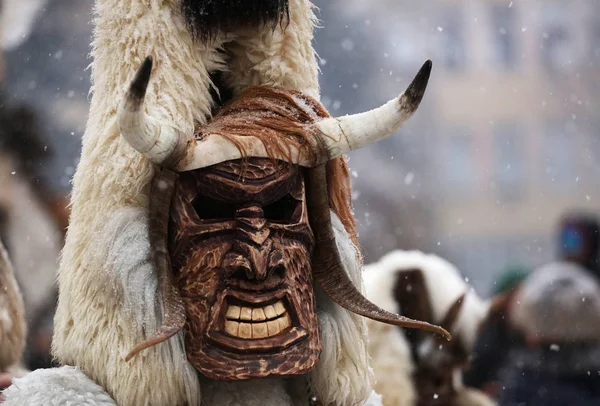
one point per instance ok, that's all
(579, 240)
(557, 309)
(496, 337)
(30, 225)
(32, 216)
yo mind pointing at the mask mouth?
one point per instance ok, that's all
(255, 323)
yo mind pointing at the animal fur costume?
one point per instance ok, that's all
(12, 319)
(110, 290)
(391, 349)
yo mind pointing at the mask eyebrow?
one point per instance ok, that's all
(259, 180)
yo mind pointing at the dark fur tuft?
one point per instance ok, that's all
(206, 18)
(20, 137)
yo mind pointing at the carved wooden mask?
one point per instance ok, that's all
(240, 245)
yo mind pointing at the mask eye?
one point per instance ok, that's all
(208, 208)
(285, 209)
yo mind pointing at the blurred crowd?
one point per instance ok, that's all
(534, 342)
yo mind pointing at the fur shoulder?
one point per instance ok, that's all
(56, 386)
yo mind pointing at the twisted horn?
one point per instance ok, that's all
(328, 269)
(163, 186)
(157, 142)
(349, 133)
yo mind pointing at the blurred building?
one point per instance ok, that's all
(509, 136)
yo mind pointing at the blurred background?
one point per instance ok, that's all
(507, 138)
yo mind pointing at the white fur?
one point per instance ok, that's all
(559, 302)
(56, 387)
(282, 59)
(388, 347)
(392, 364)
(374, 399)
(267, 392)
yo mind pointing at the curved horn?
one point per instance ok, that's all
(349, 133)
(163, 186)
(157, 142)
(328, 269)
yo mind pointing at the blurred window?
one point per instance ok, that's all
(457, 164)
(595, 40)
(504, 26)
(509, 171)
(452, 39)
(594, 151)
(557, 154)
(557, 50)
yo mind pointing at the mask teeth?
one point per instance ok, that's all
(257, 322)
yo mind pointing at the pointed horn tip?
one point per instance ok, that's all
(416, 90)
(137, 349)
(138, 86)
(162, 335)
(437, 330)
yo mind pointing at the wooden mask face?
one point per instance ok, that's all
(240, 245)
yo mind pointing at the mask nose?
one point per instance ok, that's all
(253, 243)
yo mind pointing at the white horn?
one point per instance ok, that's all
(156, 142)
(349, 133)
